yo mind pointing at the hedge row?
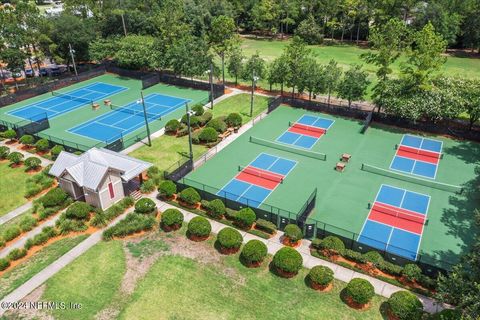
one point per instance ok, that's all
(132, 223)
(101, 219)
(37, 183)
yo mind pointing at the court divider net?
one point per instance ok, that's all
(134, 112)
(431, 154)
(427, 183)
(73, 98)
(279, 146)
(399, 214)
(261, 174)
(307, 127)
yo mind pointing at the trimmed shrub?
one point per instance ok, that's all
(194, 121)
(183, 131)
(199, 227)
(32, 163)
(208, 135)
(216, 208)
(230, 214)
(412, 272)
(167, 189)
(65, 225)
(79, 210)
(390, 268)
(234, 120)
(15, 157)
(153, 172)
(56, 151)
(207, 116)
(293, 232)
(374, 257)
(321, 276)
(198, 108)
(132, 223)
(171, 219)
(190, 196)
(218, 124)
(254, 252)
(404, 305)
(360, 291)
(287, 261)
(10, 134)
(27, 140)
(332, 243)
(145, 206)
(16, 254)
(11, 232)
(354, 256)
(54, 197)
(196, 137)
(4, 152)
(172, 126)
(245, 218)
(4, 264)
(42, 145)
(27, 223)
(147, 186)
(230, 240)
(447, 314)
(266, 226)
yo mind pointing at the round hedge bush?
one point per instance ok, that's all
(145, 206)
(374, 257)
(360, 291)
(293, 232)
(190, 196)
(216, 208)
(332, 243)
(79, 210)
(234, 120)
(254, 252)
(27, 140)
(194, 120)
(411, 272)
(10, 134)
(32, 163)
(218, 124)
(198, 109)
(404, 305)
(56, 150)
(199, 227)
(42, 145)
(15, 157)
(171, 219)
(167, 189)
(230, 240)
(245, 218)
(287, 261)
(4, 152)
(172, 126)
(321, 276)
(208, 135)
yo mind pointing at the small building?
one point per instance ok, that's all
(99, 177)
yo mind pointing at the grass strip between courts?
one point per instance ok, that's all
(276, 145)
(423, 182)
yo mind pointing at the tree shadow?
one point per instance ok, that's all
(467, 151)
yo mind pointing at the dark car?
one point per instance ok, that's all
(29, 73)
(43, 72)
(55, 71)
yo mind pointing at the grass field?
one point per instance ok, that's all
(59, 125)
(207, 286)
(167, 150)
(21, 273)
(91, 280)
(342, 198)
(12, 177)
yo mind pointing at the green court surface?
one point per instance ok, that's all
(343, 198)
(59, 126)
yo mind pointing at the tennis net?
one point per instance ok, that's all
(73, 98)
(399, 214)
(431, 154)
(261, 174)
(279, 146)
(307, 127)
(135, 112)
(423, 182)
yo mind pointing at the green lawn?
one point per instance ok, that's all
(12, 177)
(21, 273)
(91, 280)
(167, 150)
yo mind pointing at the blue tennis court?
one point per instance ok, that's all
(306, 131)
(395, 222)
(418, 156)
(258, 180)
(71, 100)
(126, 119)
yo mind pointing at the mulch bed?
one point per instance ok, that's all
(228, 251)
(196, 238)
(320, 287)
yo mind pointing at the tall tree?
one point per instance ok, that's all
(264, 15)
(296, 54)
(278, 72)
(222, 38)
(332, 74)
(309, 31)
(470, 94)
(353, 85)
(235, 63)
(311, 76)
(254, 67)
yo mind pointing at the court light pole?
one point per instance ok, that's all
(210, 79)
(254, 81)
(189, 114)
(73, 59)
(142, 101)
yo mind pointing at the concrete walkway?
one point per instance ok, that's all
(13, 147)
(40, 278)
(341, 273)
(16, 212)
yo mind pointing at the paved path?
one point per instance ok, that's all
(40, 278)
(341, 273)
(16, 212)
(16, 147)
(21, 241)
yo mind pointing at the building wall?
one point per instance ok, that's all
(70, 187)
(106, 200)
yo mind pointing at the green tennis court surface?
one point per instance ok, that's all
(343, 198)
(67, 112)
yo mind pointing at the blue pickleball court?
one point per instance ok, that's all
(304, 133)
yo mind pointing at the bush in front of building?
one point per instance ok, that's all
(79, 210)
(287, 262)
(190, 196)
(145, 206)
(171, 220)
(167, 189)
(53, 198)
(404, 305)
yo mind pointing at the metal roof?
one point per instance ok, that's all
(89, 168)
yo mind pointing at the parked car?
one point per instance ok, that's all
(44, 72)
(30, 73)
(55, 71)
